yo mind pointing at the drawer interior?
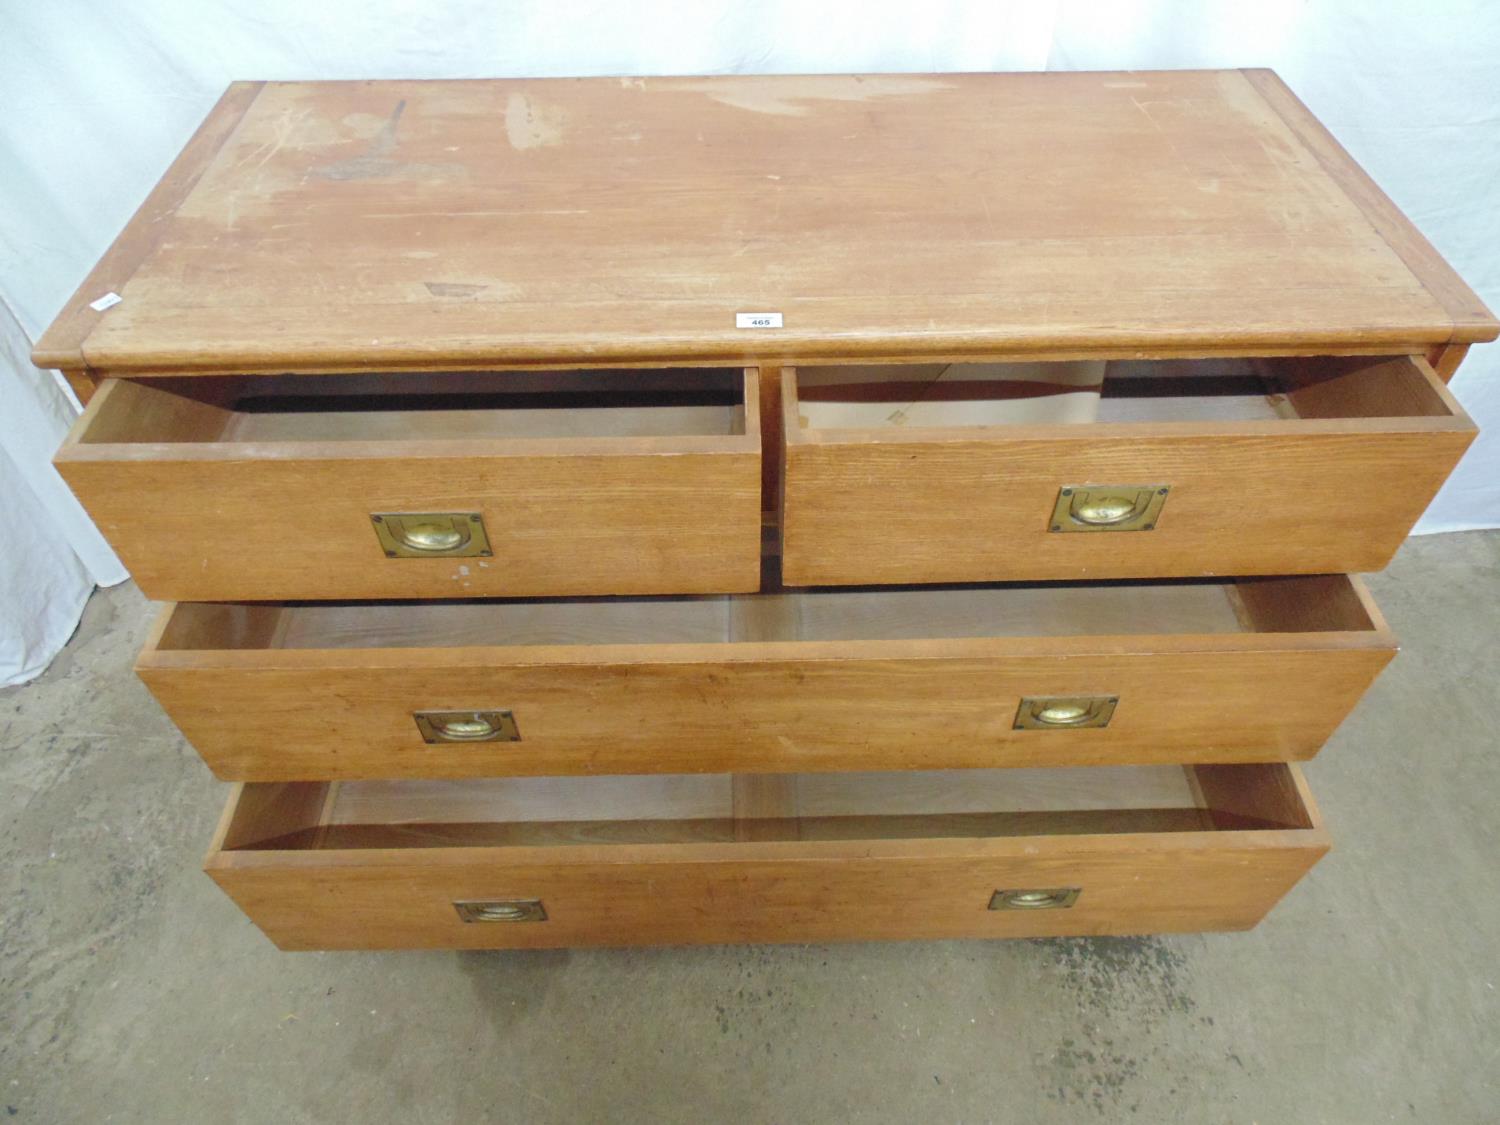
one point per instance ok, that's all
(950, 394)
(1179, 390)
(700, 808)
(668, 402)
(1318, 603)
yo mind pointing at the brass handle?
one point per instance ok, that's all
(415, 535)
(1108, 507)
(1063, 714)
(1071, 712)
(467, 726)
(1104, 509)
(430, 535)
(1043, 898)
(504, 910)
(464, 730)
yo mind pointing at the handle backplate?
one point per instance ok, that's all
(1065, 712)
(502, 910)
(1035, 898)
(467, 726)
(429, 535)
(1108, 507)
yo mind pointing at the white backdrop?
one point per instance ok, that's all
(96, 99)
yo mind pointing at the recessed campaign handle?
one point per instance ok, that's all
(425, 535)
(1108, 507)
(1071, 712)
(467, 726)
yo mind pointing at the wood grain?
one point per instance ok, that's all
(418, 224)
(880, 885)
(1337, 491)
(195, 514)
(720, 688)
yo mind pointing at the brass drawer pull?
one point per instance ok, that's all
(419, 535)
(1108, 507)
(506, 910)
(1073, 712)
(1047, 898)
(467, 726)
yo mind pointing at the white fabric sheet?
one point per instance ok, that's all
(50, 554)
(96, 99)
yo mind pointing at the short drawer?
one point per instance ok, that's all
(1274, 466)
(883, 679)
(426, 486)
(531, 863)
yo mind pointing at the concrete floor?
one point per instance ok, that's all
(131, 990)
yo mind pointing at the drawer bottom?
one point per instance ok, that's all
(711, 858)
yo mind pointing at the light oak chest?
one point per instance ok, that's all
(623, 511)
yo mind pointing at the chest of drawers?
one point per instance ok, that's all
(624, 511)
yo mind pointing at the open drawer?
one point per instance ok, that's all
(887, 679)
(542, 862)
(1189, 467)
(463, 484)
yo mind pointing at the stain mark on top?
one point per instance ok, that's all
(532, 124)
(379, 161)
(453, 289)
(784, 97)
(376, 160)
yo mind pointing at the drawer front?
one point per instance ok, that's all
(766, 890)
(262, 714)
(787, 894)
(1336, 486)
(315, 519)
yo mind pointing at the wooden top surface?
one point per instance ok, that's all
(325, 225)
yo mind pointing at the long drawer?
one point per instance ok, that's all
(1277, 466)
(882, 679)
(529, 863)
(466, 484)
